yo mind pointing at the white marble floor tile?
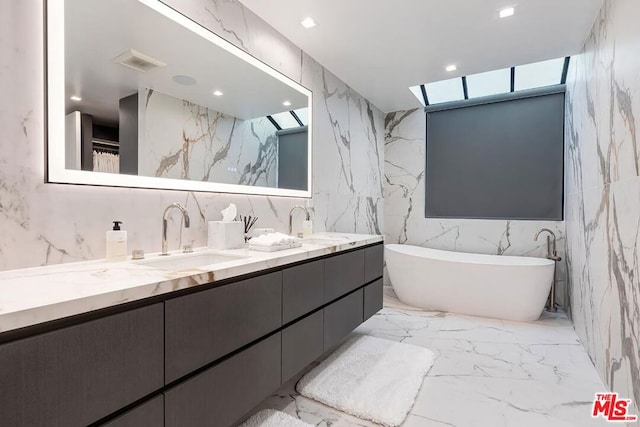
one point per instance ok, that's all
(488, 372)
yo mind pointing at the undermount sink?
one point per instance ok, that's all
(187, 261)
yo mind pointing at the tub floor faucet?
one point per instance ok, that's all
(552, 254)
(165, 223)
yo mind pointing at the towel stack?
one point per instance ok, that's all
(274, 241)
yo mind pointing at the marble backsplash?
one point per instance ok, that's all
(48, 223)
(404, 199)
(603, 196)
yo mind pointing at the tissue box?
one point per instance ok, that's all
(225, 235)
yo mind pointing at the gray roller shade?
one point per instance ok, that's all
(496, 160)
(293, 158)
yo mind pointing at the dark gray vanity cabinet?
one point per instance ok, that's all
(147, 414)
(204, 326)
(221, 395)
(302, 290)
(203, 358)
(373, 262)
(343, 273)
(373, 295)
(77, 375)
(342, 317)
(302, 343)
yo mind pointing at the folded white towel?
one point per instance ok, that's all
(272, 239)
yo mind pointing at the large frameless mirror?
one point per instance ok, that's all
(141, 96)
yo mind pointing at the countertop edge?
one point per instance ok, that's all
(40, 314)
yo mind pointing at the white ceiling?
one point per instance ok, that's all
(96, 31)
(383, 47)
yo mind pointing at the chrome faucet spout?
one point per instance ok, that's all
(165, 223)
(552, 252)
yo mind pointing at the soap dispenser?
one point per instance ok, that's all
(116, 243)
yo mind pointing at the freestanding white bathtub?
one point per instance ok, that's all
(503, 287)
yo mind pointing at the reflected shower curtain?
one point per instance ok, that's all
(106, 162)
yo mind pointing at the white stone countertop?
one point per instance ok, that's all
(35, 295)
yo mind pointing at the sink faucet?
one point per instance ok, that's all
(293, 209)
(552, 253)
(165, 215)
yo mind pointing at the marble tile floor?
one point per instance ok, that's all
(488, 372)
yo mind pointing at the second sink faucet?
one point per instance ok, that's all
(293, 209)
(165, 223)
(552, 253)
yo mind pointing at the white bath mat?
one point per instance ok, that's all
(273, 418)
(371, 378)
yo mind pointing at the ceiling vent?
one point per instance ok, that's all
(138, 61)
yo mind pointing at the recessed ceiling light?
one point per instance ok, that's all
(308, 22)
(507, 12)
(75, 98)
(217, 93)
(286, 103)
(184, 80)
(451, 67)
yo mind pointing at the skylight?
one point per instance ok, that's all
(491, 83)
(285, 120)
(303, 115)
(521, 77)
(444, 91)
(539, 74)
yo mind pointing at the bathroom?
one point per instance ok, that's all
(362, 93)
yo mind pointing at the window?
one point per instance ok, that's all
(539, 74)
(491, 83)
(285, 120)
(445, 91)
(496, 159)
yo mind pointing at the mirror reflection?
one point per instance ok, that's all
(139, 103)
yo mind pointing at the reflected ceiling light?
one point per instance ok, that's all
(451, 67)
(286, 103)
(308, 22)
(507, 12)
(217, 93)
(75, 98)
(184, 80)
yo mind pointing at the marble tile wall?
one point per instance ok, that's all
(603, 196)
(181, 139)
(404, 197)
(47, 224)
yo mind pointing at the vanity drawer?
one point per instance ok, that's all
(342, 274)
(79, 374)
(204, 326)
(373, 262)
(150, 413)
(224, 393)
(302, 290)
(302, 343)
(342, 317)
(372, 298)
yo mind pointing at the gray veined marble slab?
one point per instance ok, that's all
(603, 196)
(35, 295)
